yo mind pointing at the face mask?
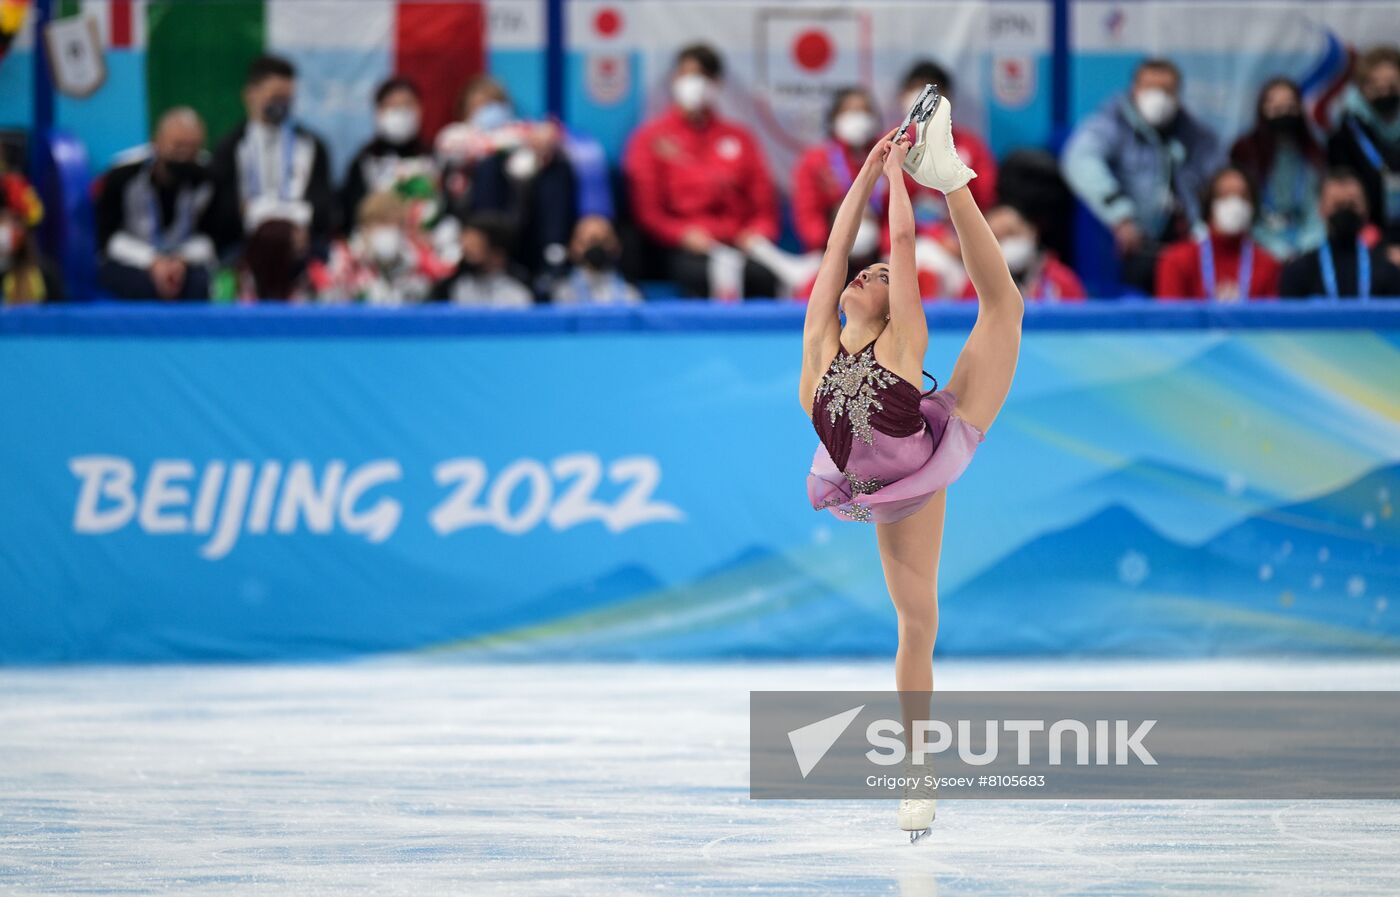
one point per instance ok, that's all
(397, 124)
(1230, 215)
(276, 111)
(1286, 125)
(1386, 105)
(491, 116)
(1156, 106)
(854, 128)
(867, 238)
(384, 243)
(598, 258)
(183, 172)
(1019, 252)
(7, 245)
(692, 92)
(1344, 224)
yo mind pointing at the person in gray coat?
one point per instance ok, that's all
(1139, 165)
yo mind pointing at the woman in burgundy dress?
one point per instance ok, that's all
(887, 449)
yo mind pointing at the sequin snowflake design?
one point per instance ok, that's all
(857, 512)
(863, 487)
(850, 384)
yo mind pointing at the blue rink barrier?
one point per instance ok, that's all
(311, 483)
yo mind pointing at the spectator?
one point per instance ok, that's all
(1225, 263)
(699, 186)
(972, 149)
(1039, 275)
(1344, 266)
(1139, 164)
(26, 277)
(1281, 156)
(595, 251)
(384, 262)
(483, 276)
(1368, 139)
(276, 265)
(396, 155)
(269, 166)
(825, 172)
(153, 216)
(500, 163)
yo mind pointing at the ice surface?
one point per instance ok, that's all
(409, 776)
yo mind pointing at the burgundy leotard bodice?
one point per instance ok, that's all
(857, 396)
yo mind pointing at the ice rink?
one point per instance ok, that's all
(436, 777)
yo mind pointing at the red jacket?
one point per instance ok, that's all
(1056, 282)
(709, 174)
(818, 187)
(1179, 269)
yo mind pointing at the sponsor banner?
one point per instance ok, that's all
(286, 484)
(1105, 745)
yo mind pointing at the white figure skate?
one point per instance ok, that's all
(916, 809)
(933, 160)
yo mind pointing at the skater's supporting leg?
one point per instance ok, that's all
(984, 370)
(909, 550)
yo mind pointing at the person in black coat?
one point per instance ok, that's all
(1342, 267)
(396, 153)
(1368, 138)
(270, 167)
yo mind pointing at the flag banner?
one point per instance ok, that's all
(164, 53)
(784, 62)
(1226, 50)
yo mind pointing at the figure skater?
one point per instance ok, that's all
(888, 450)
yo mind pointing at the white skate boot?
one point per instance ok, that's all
(933, 160)
(916, 809)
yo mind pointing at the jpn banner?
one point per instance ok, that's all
(803, 59)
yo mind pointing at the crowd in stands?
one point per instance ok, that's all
(502, 211)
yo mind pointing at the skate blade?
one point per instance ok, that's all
(920, 116)
(923, 108)
(916, 837)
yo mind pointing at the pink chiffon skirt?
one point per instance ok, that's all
(910, 469)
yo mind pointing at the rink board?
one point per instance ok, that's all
(285, 484)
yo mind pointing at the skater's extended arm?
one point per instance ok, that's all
(907, 322)
(822, 321)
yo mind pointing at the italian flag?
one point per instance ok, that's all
(196, 52)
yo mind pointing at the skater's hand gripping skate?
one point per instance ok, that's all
(894, 159)
(875, 161)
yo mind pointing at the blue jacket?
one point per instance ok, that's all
(1122, 167)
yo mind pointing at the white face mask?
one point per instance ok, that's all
(1156, 106)
(397, 124)
(867, 238)
(1019, 252)
(854, 128)
(491, 116)
(692, 92)
(384, 243)
(1230, 215)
